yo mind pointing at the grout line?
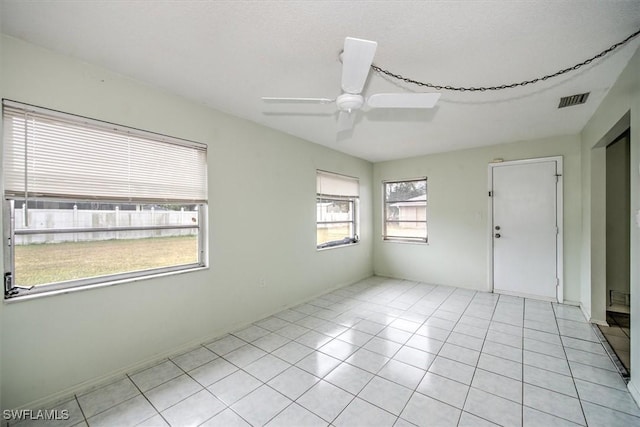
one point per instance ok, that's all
(147, 399)
(84, 417)
(573, 380)
(378, 299)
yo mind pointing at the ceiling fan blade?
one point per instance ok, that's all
(299, 100)
(345, 121)
(356, 62)
(403, 100)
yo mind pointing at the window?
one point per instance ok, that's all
(89, 202)
(337, 209)
(405, 210)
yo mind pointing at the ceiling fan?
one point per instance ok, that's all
(357, 57)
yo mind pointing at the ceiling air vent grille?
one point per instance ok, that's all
(570, 101)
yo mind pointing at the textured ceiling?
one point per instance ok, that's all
(227, 54)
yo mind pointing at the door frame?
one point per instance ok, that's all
(559, 219)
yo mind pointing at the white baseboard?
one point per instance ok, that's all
(585, 312)
(633, 390)
(62, 396)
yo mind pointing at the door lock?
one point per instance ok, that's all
(497, 227)
(497, 235)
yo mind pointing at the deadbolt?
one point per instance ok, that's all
(497, 227)
(497, 235)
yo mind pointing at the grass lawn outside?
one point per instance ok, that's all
(38, 264)
(332, 233)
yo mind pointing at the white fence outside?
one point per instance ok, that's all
(76, 218)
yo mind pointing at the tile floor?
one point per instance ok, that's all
(381, 352)
(618, 335)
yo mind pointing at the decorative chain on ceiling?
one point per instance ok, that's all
(504, 86)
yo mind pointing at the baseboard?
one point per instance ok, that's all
(586, 313)
(634, 391)
(57, 398)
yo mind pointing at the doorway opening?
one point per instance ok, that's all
(618, 249)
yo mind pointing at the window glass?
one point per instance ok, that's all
(87, 202)
(405, 210)
(336, 210)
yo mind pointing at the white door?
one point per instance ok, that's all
(524, 231)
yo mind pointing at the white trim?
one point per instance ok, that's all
(598, 322)
(524, 295)
(634, 391)
(585, 312)
(81, 288)
(559, 221)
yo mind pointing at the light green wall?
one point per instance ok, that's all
(623, 98)
(617, 217)
(262, 225)
(457, 214)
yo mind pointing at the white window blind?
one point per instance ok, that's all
(56, 155)
(331, 184)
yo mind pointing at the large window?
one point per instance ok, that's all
(405, 210)
(88, 202)
(337, 209)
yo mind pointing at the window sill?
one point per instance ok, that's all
(69, 290)
(346, 245)
(405, 242)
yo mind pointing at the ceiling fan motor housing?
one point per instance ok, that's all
(349, 101)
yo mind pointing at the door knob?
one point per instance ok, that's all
(497, 235)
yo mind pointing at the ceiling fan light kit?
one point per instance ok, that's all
(349, 102)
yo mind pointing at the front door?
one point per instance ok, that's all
(525, 227)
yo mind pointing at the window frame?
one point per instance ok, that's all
(354, 202)
(385, 206)
(15, 291)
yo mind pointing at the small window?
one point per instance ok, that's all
(336, 210)
(405, 210)
(88, 202)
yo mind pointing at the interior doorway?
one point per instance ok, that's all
(618, 249)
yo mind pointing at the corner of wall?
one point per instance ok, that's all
(621, 103)
(1, 257)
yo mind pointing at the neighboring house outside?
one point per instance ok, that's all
(413, 209)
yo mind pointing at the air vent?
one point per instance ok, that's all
(570, 101)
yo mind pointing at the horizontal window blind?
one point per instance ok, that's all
(55, 155)
(331, 184)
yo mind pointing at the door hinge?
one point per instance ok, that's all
(557, 282)
(490, 193)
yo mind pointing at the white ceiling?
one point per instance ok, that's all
(227, 54)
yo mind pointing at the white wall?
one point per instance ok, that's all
(623, 98)
(457, 214)
(262, 211)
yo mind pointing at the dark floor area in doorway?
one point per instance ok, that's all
(618, 335)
